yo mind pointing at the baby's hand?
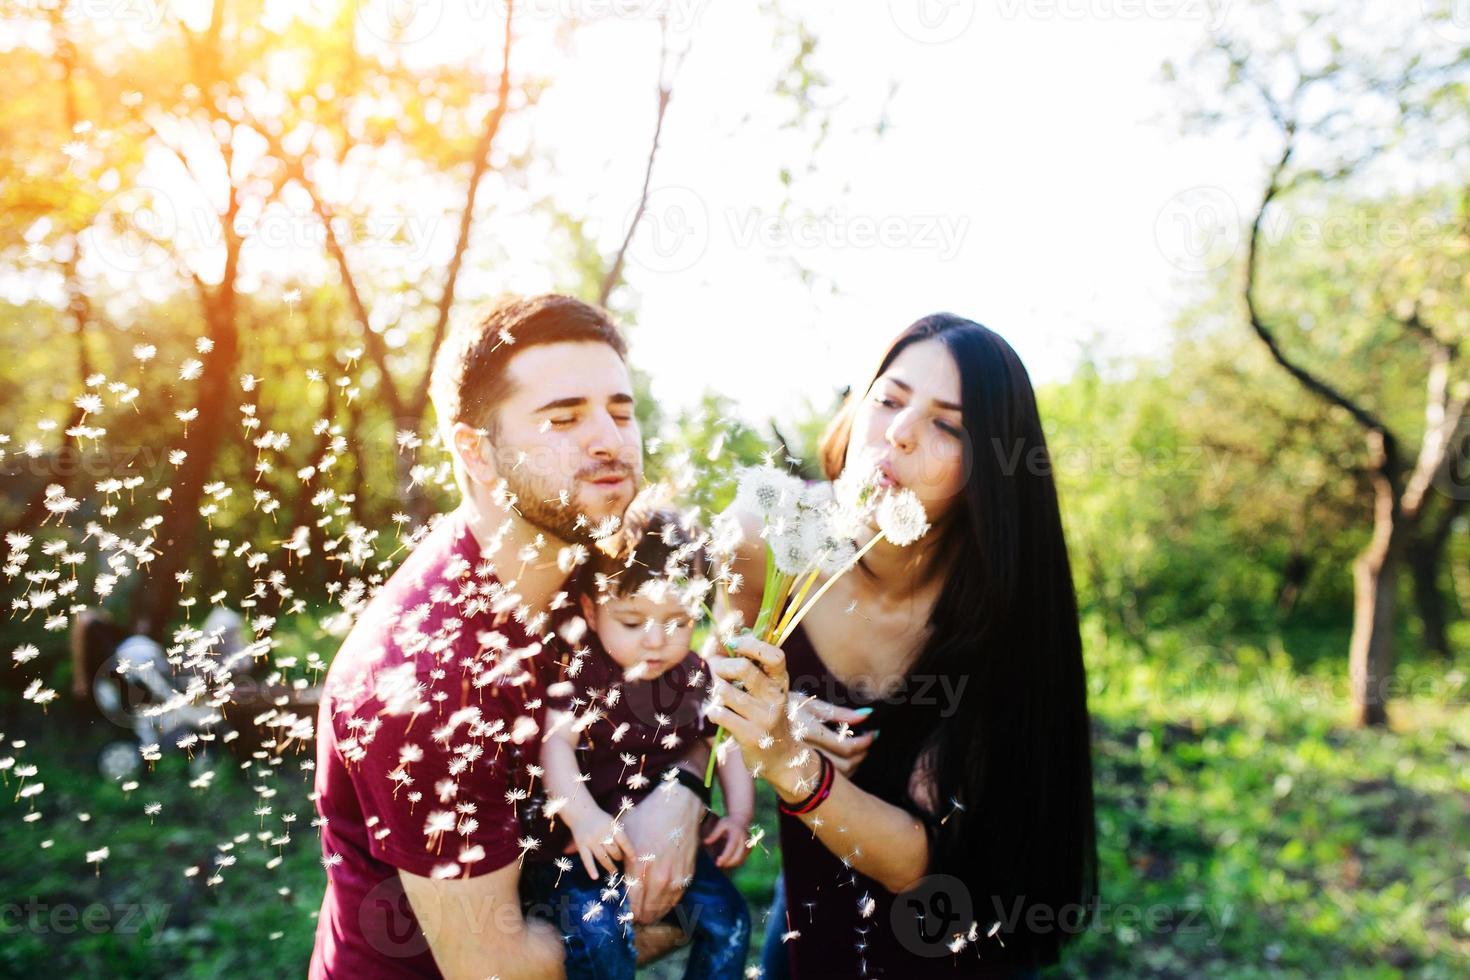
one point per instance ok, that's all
(600, 840)
(732, 853)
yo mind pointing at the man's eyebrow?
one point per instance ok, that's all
(577, 401)
(574, 402)
(909, 389)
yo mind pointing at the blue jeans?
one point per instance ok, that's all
(711, 915)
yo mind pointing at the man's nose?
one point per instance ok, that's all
(605, 439)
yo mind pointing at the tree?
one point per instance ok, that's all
(1345, 102)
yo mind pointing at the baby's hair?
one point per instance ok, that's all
(656, 543)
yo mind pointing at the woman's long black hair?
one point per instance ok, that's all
(1013, 749)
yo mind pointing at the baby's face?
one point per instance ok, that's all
(639, 630)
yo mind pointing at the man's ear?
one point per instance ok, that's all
(475, 453)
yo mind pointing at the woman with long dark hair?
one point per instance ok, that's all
(955, 836)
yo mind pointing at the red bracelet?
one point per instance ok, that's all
(824, 788)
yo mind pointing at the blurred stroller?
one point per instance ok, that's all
(164, 707)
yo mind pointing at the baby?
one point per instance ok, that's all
(627, 714)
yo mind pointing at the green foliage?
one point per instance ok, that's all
(1236, 813)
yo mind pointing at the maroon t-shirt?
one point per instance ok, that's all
(431, 712)
(632, 731)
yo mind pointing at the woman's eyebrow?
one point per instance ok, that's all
(909, 389)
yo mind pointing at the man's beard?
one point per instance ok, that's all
(538, 501)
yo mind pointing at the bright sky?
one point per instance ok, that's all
(1029, 178)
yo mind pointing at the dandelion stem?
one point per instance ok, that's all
(801, 613)
(795, 603)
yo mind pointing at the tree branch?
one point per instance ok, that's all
(665, 93)
(480, 165)
(1318, 386)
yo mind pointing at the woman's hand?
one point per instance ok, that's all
(827, 727)
(749, 696)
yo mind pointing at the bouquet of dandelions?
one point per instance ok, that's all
(809, 535)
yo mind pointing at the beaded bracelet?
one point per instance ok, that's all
(824, 788)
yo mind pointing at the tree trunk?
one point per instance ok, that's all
(1375, 579)
(178, 534)
(1423, 560)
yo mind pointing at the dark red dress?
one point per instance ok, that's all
(848, 924)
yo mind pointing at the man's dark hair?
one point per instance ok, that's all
(470, 377)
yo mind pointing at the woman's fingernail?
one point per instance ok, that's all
(865, 711)
(876, 733)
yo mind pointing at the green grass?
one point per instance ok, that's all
(1234, 798)
(1245, 830)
